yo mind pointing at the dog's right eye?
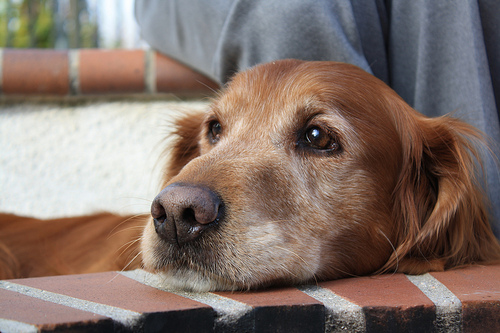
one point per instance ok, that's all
(321, 140)
(214, 131)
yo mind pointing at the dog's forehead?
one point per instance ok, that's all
(272, 93)
(275, 91)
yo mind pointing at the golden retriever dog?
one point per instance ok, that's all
(300, 172)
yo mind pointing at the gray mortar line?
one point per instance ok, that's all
(341, 315)
(126, 317)
(448, 306)
(231, 313)
(73, 71)
(150, 71)
(7, 326)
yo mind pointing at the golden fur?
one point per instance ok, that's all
(302, 171)
(31, 247)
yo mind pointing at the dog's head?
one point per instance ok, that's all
(314, 170)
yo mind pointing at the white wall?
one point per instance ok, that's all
(71, 160)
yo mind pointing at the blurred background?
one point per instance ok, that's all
(63, 24)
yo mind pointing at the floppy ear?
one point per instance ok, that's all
(440, 211)
(186, 143)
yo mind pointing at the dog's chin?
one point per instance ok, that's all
(194, 281)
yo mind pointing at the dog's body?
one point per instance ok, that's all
(30, 247)
(304, 171)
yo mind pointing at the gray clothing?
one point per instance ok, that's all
(440, 56)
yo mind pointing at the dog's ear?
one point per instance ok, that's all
(439, 208)
(185, 146)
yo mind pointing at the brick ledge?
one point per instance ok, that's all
(90, 72)
(466, 299)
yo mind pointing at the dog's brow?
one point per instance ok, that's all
(213, 112)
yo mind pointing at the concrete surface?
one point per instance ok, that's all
(63, 160)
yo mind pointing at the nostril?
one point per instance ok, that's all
(157, 210)
(159, 216)
(188, 215)
(159, 223)
(190, 226)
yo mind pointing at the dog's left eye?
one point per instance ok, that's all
(214, 131)
(320, 139)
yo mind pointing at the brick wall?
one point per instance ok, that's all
(466, 299)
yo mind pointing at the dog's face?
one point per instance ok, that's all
(291, 176)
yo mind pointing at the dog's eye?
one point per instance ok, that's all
(214, 131)
(320, 139)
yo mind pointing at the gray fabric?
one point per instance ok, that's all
(440, 56)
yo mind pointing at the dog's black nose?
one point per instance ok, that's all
(182, 212)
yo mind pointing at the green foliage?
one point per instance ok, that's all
(40, 23)
(44, 27)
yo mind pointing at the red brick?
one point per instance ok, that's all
(46, 315)
(174, 77)
(271, 297)
(113, 289)
(282, 310)
(478, 288)
(111, 71)
(35, 72)
(390, 302)
(473, 283)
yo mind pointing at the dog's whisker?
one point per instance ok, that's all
(127, 220)
(148, 200)
(125, 267)
(344, 272)
(117, 232)
(128, 245)
(214, 91)
(131, 261)
(393, 249)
